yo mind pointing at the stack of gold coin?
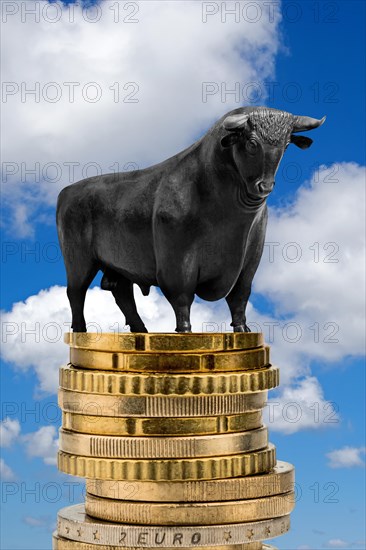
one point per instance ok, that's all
(167, 430)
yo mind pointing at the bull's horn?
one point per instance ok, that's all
(235, 122)
(304, 123)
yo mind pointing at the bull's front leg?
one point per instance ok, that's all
(237, 301)
(238, 297)
(182, 309)
(177, 280)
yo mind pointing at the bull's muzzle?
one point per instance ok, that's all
(265, 187)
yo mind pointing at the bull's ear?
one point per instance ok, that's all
(301, 141)
(230, 139)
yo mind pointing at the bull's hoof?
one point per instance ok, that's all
(79, 328)
(242, 328)
(185, 327)
(142, 329)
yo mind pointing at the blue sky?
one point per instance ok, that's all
(312, 57)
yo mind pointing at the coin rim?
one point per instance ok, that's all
(143, 341)
(157, 406)
(223, 361)
(209, 531)
(247, 487)
(122, 383)
(180, 514)
(195, 446)
(75, 544)
(219, 467)
(149, 427)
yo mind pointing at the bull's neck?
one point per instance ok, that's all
(221, 162)
(250, 205)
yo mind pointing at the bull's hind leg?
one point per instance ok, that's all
(125, 300)
(79, 277)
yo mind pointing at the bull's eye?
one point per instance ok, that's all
(252, 146)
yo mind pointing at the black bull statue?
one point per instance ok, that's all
(193, 224)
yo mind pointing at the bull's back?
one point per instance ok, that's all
(110, 217)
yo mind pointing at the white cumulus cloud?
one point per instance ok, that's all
(318, 301)
(147, 77)
(42, 444)
(42, 521)
(321, 294)
(300, 406)
(9, 431)
(337, 543)
(6, 473)
(347, 457)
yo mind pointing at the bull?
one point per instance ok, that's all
(194, 224)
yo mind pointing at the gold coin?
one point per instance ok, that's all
(217, 467)
(120, 383)
(60, 543)
(202, 513)
(165, 342)
(280, 480)
(74, 524)
(201, 425)
(171, 362)
(157, 406)
(162, 447)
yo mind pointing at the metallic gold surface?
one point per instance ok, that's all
(162, 447)
(164, 342)
(167, 429)
(201, 425)
(280, 480)
(159, 406)
(75, 525)
(60, 543)
(171, 362)
(202, 513)
(120, 383)
(218, 467)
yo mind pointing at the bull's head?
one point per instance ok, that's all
(258, 140)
